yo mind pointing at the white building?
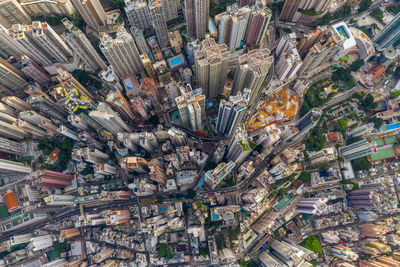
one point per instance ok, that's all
(41, 242)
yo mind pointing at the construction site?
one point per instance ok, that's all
(282, 106)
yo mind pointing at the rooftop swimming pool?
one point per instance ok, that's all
(211, 27)
(176, 61)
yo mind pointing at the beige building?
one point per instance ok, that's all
(92, 13)
(47, 7)
(176, 42)
(251, 72)
(11, 13)
(211, 64)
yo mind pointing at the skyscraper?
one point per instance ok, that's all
(312, 205)
(197, 13)
(118, 102)
(239, 147)
(41, 43)
(258, 22)
(191, 107)
(252, 71)
(138, 14)
(121, 53)
(8, 45)
(159, 22)
(92, 13)
(232, 27)
(231, 112)
(44, 7)
(11, 78)
(170, 9)
(389, 35)
(109, 119)
(140, 42)
(211, 64)
(80, 45)
(289, 63)
(309, 39)
(357, 150)
(11, 13)
(320, 53)
(189, 17)
(33, 71)
(292, 8)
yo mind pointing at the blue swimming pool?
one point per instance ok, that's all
(176, 61)
(211, 27)
(393, 126)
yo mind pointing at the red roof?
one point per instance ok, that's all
(332, 137)
(54, 155)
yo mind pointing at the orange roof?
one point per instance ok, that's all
(11, 201)
(332, 137)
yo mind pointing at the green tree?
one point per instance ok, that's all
(312, 243)
(357, 64)
(81, 76)
(364, 5)
(377, 13)
(305, 177)
(342, 125)
(377, 121)
(394, 94)
(117, 3)
(361, 164)
(316, 140)
(396, 73)
(390, 68)
(191, 194)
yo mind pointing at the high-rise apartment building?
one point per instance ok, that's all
(12, 131)
(211, 64)
(170, 9)
(12, 147)
(232, 26)
(34, 71)
(312, 206)
(307, 40)
(118, 102)
(121, 53)
(45, 7)
(252, 71)
(80, 45)
(389, 35)
(258, 22)
(109, 119)
(8, 45)
(138, 14)
(320, 53)
(13, 170)
(291, 10)
(41, 43)
(140, 42)
(191, 107)
(159, 22)
(11, 13)
(197, 13)
(357, 150)
(16, 103)
(239, 147)
(288, 64)
(148, 66)
(46, 106)
(92, 13)
(138, 164)
(11, 78)
(231, 113)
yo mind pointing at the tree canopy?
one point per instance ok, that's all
(361, 164)
(357, 64)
